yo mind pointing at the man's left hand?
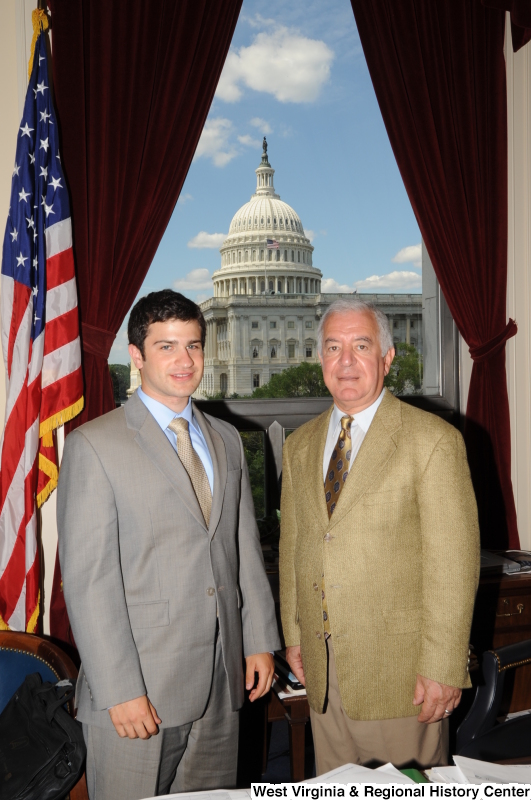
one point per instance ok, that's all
(438, 699)
(263, 664)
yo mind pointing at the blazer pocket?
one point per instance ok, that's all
(149, 615)
(403, 620)
(383, 498)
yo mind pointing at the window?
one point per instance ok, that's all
(278, 255)
(291, 351)
(285, 255)
(293, 255)
(308, 351)
(254, 324)
(247, 255)
(309, 323)
(254, 255)
(291, 324)
(272, 324)
(279, 286)
(262, 286)
(261, 255)
(298, 256)
(271, 285)
(256, 380)
(270, 254)
(255, 352)
(240, 256)
(273, 352)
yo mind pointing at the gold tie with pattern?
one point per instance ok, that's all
(337, 472)
(335, 480)
(193, 465)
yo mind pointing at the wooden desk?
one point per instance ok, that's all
(296, 711)
(502, 615)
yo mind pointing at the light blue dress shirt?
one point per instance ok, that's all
(164, 415)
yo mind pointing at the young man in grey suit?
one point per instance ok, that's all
(163, 573)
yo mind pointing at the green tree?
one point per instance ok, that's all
(306, 380)
(121, 379)
(405, 375)
(253, 446)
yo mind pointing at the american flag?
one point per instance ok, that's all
(40, 340)
(272, 244)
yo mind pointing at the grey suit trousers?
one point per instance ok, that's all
(187, 758)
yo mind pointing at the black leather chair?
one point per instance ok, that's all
(480, 735)
(22, 654)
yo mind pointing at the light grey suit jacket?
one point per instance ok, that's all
(143, 576)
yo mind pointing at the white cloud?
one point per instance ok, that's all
(215, 141)
(195, 280)
(258, 122)
(207, 241)
(183, 199)
(248, 141)
(392, 282)
(409, 255)
(310, 234)
(280, 62)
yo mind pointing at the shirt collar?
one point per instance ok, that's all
(164, 415)
(362, 418)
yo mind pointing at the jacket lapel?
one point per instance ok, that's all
(312, 464)
(216, 447)
(377, 448)
(154, 443)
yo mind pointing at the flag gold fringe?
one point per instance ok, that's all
(3, 625)
(47, 439)
(32, 624)
(56, 420)
(40, 23)
(49, 469)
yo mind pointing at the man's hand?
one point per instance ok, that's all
(263, 664)
(135, 719)
(294, 659)
(439, 699)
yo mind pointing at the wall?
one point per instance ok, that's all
(519, 279)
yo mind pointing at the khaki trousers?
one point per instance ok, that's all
(404, 742)
(197, 756)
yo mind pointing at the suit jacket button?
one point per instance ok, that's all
(318, 635)
(210, 591)
(328, 537)
(315, 586)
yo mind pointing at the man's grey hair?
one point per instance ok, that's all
(351, 303)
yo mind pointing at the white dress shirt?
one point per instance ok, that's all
(360, 425)
(164, 415)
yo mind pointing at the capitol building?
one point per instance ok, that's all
(267, 301)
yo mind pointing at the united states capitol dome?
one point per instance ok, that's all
(266, 249)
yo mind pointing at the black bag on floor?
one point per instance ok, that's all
(42, 750)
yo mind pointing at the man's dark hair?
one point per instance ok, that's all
(162, 307)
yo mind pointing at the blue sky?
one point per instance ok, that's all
(295, 72)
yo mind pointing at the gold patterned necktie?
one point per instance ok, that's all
(193, 465)
(337, 472)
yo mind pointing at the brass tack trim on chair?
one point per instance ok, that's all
(32, 655)
(509, 666)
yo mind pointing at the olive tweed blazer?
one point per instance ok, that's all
(400, 557)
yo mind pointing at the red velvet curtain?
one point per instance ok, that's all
(133, 86)
(438, 70)
(520, 19)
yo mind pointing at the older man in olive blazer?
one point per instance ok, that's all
(377, 582)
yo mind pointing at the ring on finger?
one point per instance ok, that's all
(448, 711)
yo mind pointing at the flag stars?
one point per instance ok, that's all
(40, 88)
(35, 291)
(14, 235)
(48, 210)
(41, 58)
(36, 262)
(32, 158)
(44, 145)
(26, 130)
(30, 222)
(56, 183)
(58, 156)
(15, 169)
(44, 172)
(45, 116)
(23, 195)
(36, 319)
(21, 259)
